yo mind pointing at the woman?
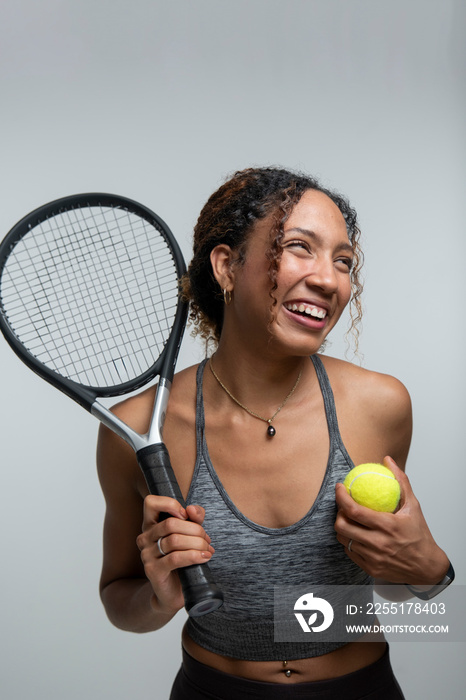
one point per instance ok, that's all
(258, 452)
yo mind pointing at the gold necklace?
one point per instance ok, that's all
(270, 430)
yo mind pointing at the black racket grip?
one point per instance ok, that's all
(201, 595)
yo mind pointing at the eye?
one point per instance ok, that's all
(298, 244)
(346, 263)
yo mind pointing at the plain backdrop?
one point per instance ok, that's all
(159, 101)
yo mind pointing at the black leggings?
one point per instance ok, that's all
(195, 681)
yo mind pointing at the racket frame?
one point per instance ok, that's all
(150, 451)
(86, 395)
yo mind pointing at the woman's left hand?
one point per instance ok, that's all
(397, 547)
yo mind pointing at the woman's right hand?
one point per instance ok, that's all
(184, 541)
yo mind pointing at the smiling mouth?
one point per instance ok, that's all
(307, 310)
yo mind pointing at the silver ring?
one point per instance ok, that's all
(160, 547)
(350, 544)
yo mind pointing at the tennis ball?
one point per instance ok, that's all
(373, 486)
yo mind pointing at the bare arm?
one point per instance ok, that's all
(140, 589)
(125, 591)
(396, 548)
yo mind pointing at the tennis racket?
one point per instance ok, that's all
(89, 300)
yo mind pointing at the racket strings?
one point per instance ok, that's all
(92, 293)
(117, 288)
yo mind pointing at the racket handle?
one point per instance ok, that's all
(201, 595)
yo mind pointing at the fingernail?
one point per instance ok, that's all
(206, 555)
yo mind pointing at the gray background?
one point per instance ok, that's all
(158, 101)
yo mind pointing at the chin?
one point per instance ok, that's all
(304, 348)
(299, 341)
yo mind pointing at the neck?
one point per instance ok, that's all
(258, 382)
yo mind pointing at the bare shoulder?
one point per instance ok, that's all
(136, 411)
(375, 401)
(117, 466)
(382, 391)
(183, 393)
(116, 462)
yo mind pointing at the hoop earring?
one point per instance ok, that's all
(227, 297)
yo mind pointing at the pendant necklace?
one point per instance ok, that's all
(270, 430)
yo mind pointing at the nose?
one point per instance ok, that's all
(323, 275)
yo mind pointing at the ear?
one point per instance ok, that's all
(222, 259)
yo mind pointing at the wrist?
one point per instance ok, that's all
(427, 592)
(429, 570)
(438, 569)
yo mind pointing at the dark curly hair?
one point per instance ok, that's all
(229, 216)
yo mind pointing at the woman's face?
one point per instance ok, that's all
(314, 284)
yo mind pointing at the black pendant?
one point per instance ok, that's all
(271, 431)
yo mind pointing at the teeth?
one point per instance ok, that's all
(308, 310)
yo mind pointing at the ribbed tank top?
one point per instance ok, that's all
(251, 559)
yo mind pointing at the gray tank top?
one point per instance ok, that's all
(251, 559)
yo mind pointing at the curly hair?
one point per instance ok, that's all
(229, 216)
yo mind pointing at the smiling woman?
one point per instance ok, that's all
(248, 197)
(276, 261)
(311, 272)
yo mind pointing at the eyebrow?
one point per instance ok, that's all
(316, 237)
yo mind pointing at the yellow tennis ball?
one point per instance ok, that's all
(373, 486)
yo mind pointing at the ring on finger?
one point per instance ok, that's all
(350, 544)
(159, 545)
